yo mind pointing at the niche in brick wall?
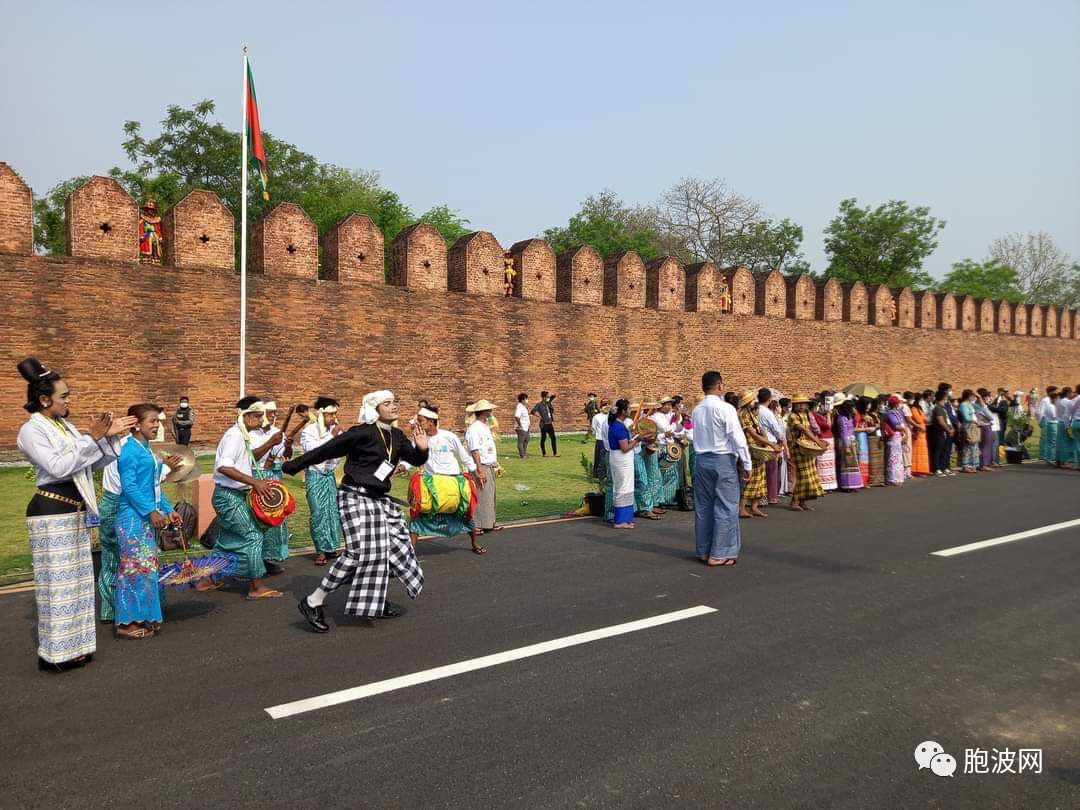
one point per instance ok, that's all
(102, 221)
(740, 282)
(285, 242)
(624, 280)
(1050, 322)
(1067, 324)
(770, 294)
(926, 309)
(855, 302)
(986, 314)
(418, 258)
(905, 307)
(801, 297)
(579, 276)
(946, 311)
(1020, 319)
(880, 305)
(354, 250)
(1003, 317)
(967, 313)
(475, 265)
(705, 289)
(665, 285)
(198, 232)
(16, 213)
(1035, 320)
(534, 266)
(830, 300)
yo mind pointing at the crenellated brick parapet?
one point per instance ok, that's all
(102, 223)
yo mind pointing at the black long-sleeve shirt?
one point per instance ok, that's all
(364, 448)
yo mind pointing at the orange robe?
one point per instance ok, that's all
(920, 453)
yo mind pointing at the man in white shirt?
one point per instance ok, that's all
(774, 431)
(1066, 410)
(270, 447)
(240, 533)
(522, 424)
(1049, 426)
(719, 447)
(320, 482)
(481, 444)
(599, 426)
(448, 459)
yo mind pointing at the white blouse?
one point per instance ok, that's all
(57, 456)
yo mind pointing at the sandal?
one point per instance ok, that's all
(271, 594)
(135, 633)
(320, 559)
(479, 550)
(648, 516)
(495, 528)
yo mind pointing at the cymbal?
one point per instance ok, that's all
(187, 460)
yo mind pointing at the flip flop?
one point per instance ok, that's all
(264, 595)
(494, 529)
(479, 550)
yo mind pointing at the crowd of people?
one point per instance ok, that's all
(740, 452)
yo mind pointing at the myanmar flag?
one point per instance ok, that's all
(254, 135)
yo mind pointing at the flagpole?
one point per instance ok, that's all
(243, 232)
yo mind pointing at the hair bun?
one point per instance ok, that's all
(32, 370)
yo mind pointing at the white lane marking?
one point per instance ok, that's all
(1008, 538)
(461, 667)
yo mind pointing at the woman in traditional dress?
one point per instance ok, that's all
(321, 484)
(826, 462)
(61, 513)
(650, 454)
(862, 433)
(969, 428)
(621, 460)
(984, 417)
(920, 450)
(141, 510)
(847, 448)
(892, 427)
(755, 488)
(645, 504)
(807, 485)
(876, 438)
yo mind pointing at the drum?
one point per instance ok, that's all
(275, 506)
(763, 454)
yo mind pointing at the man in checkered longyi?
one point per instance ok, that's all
(376, 537)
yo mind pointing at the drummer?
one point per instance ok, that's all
(269, 446)
(755, 487)
(240, 533)
(446, 458)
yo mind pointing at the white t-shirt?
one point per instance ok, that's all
(232, 451)
(600, 426)
(478, 437)
(311, 440)
(447, 455)
(110, 476)
(521, 416)
(663, 426)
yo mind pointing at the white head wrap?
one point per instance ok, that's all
(424, 412)
(255, 407)
(268, 406)
(368, 413)
(322, 418)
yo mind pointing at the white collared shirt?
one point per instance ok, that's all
(1047, 410)
(600, 426)
(478, 437)
(232, 451)
(663, 427)
(521, 416)
(1065, 409)
(311, 440)
(717, 430)
(769, 424)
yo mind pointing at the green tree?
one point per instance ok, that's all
(1047, 275)
(883, 245)
(50, 231)
(765, 246)
(609, 226)
(447, 222)
(986, 279)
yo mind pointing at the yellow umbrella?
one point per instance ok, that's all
(865, 389)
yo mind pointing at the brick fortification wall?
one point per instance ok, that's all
(121, 333)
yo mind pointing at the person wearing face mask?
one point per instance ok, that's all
(183, 421)
(376, 537)
(61, 513)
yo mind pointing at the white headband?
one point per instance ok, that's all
(424, 412)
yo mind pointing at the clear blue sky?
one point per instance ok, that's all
(512, 113)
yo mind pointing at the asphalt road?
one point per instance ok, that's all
(837, 646)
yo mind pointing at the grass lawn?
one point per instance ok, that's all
(555, 485)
